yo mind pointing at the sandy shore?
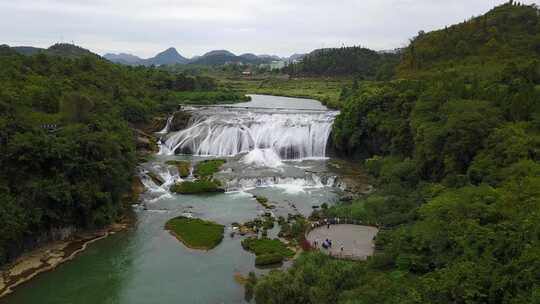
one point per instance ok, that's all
(48, 257)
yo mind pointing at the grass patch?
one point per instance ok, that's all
(197, 187)
(182, 166)
(207, 168)
(268, 251)
(196, 233)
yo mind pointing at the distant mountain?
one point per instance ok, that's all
(221, 57)
(269, 57)
(123, 58)
(169, 56)
(59, 49)
(249, 56)
(219, 53)
(295, 57)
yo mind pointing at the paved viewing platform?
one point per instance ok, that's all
(357, 241)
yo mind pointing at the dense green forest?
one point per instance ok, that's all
(454, 145)
(355, 61)
(67, 142)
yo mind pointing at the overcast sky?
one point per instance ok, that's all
(145, 27)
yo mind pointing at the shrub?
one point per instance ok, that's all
(268, 259)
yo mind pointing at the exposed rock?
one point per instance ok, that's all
(145, 142)
(180, 121)
(156, 178)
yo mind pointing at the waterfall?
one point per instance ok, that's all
(291, 135)
(167, 127)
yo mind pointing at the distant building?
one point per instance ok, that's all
(246, 73)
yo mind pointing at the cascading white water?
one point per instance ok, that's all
(262, 158)
(228, 132)
(167, 127)
(308, 181)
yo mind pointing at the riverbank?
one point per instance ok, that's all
(50, 256)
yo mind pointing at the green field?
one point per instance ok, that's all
(326, 90)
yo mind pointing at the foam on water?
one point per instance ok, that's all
(262, 158)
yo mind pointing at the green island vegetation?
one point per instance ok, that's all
(196, 233)
(264, 202)
(260, 224)
(182, 166)
(267, 251)
(453, 142)
(69, 129)
(205, 183)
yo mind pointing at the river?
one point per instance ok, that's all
(278, 153)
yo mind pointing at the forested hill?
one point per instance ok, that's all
(346, 61)
(482, 44)
(59, 49)
(454, 146)
(67, 151)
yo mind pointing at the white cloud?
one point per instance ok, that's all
(145, 27)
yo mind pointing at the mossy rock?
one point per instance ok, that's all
(196, 233)
(182, 166)
(197, 187)
(180, 121)
(155, 178)
(264, 202)
(207, 168)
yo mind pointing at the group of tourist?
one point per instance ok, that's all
(326, 244)
(325, 222)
